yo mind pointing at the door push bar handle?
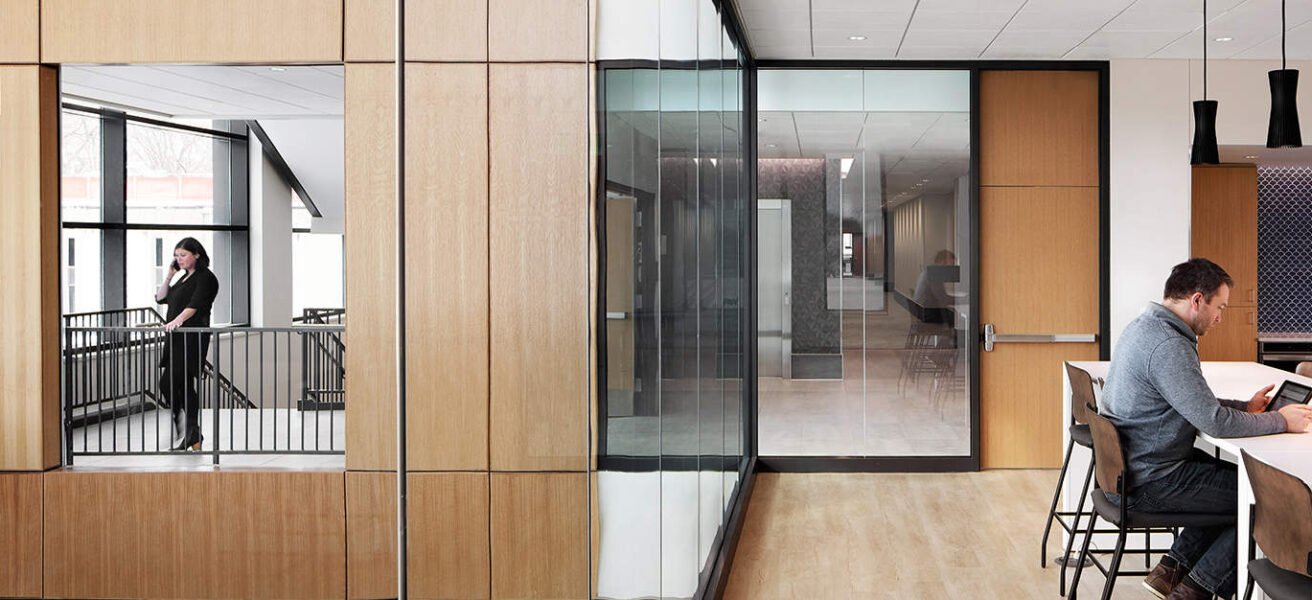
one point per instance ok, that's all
(616, 316)
(991, 338)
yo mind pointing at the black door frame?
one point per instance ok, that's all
(851, 464)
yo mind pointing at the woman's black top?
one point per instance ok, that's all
(197, 291)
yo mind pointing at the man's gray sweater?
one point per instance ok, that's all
(1158, 400)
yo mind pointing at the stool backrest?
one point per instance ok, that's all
(1282, 523)
(1108, 458)
(1082, 398)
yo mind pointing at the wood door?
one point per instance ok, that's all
(1039, 253)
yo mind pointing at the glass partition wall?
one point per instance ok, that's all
(863, 225)
(674, 215)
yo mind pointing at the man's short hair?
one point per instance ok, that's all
(1195, 275)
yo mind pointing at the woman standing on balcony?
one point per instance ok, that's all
(189, 301)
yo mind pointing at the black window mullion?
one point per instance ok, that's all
(113, 202)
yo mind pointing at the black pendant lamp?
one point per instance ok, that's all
(1204, 150)
(1282, 131)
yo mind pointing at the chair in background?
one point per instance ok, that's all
(1282, 527)
(1109, 470)
(1304, 369)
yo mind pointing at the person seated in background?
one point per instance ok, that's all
(1158, 400)
(931, 292)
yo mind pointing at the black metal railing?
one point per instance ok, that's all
(323, 371)
(121, 384)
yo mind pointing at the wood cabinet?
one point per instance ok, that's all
(1224, 230)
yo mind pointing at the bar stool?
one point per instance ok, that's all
(1082, 402)
(1110, 475)
(1282, 527)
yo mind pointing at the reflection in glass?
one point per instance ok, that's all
(671, 440)
(863, 225)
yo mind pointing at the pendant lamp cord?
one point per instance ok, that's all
(1205, 49)
(1282, 35)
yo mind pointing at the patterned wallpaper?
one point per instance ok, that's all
(1284, 249)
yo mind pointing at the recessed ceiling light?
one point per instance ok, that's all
(278, 69)
(1224, 39)
(762, 119)
(856, 38)
(925, 180)
(771, 145)
(1251, 156)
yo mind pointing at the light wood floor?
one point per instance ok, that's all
(837, 536)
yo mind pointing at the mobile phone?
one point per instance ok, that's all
(174, 265)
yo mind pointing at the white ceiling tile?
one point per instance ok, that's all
(1088, 19)
(863, 5)
(783, 19)
(882, 53)
(781, 37)
(782, 52)
(940, 52)
(970, 5)
(1127, 44)
(860, 22)
(959, 19)
(922, 37)
(839, 38)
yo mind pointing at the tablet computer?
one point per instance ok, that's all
(1290, 392)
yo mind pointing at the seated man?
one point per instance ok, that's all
(1158, 400)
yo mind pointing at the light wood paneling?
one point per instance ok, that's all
(619, 292)
(1041, 252)
(20, 528)
(370, 267)
(448, 536)
(439, 30)
(539, 283)
(1039, 275)
(19, 30)
(156, 31)
(540, 536)
(446, 217)
(225, 534)
(1038, 128)
(1234, 338)
(538, 30)
(1224, 226)
(29, 266)
(371, 543)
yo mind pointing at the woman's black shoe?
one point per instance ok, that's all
(190, 442)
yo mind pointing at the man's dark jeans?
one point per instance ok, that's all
(1201, 485)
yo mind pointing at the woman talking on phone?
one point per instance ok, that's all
(190, 300)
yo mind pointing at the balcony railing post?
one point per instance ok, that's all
(217, 400)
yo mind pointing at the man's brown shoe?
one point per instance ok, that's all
(1184, 591)
(1163, 579)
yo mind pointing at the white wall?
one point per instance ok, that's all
(1151, 132)
(271, 242)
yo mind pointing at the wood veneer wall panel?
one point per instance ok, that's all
(446, 215)
(1224, 226)
(224, 534)
(29, 266)
(540, 536)
(440, 30)
(19, 31)
(370, 267)
(371, 543)
(448, 536)
(539, 278)
(1022, 384)
(1039, 128)
(20, 527)
(155, 31)
(538, 31)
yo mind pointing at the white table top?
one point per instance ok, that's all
(1289, 452)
